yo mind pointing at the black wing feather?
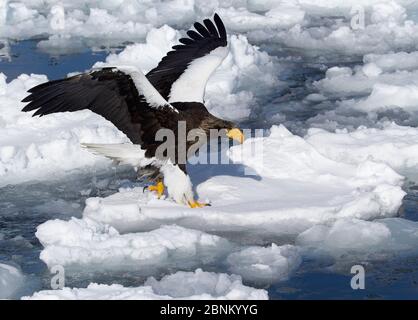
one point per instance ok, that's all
(202, 30)
(172, 66)
(220, 26)
(211, 27)
(194, 35)
(107, 92)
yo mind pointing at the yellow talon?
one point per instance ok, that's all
(159, 188)
(195, 204)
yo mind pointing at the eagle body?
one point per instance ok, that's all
(170, 97)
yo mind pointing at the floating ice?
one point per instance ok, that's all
(89, 245)
(47, 147)
(384, 87)
(11, 280)
(194, 285)
(392, 144)
(296, 185)
(263, 265)
(72, 25)
(362, 237)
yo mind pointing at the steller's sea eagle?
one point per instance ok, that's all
(140, 105)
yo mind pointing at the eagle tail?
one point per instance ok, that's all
(123, 153)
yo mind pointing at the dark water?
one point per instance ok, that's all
(25, 206)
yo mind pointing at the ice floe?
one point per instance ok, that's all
(74, 24)
(265, 265)
(194, 285)
(296, 187)
(392, 144)
(298, 191)
(45, 147)
(359, 237)
(78, 243)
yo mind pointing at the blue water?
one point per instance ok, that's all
(395, 278)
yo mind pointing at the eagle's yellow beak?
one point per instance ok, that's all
(235, 134)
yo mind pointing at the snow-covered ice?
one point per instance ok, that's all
(392, 144)
(359, 237)
(50, 146)
(296, 188)
(194, 285)
(86, 244)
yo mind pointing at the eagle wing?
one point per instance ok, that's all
(181, 76)
(121, 95)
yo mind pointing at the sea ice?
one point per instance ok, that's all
(392, 144)
(296, 185)
(265, 265)
(353, 236)
(194, 285)
(86, 244)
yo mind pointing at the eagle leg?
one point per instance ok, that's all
(158, 187)
(196, 204)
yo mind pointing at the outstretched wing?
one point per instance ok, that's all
(182, 74)
(123, 96)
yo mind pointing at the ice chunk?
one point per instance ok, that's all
(390, 62)
(263, 265)
(86, 244)
(194, 285)
(383, 88)
(48, 147)
(393, 144)
(362, 237)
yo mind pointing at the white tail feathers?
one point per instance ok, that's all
(124, 153)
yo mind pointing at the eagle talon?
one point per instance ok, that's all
(195, 204)
(159, 188)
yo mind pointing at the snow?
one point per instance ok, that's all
(194, 285)
(11, 280)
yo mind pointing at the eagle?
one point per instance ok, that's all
(141, 105)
